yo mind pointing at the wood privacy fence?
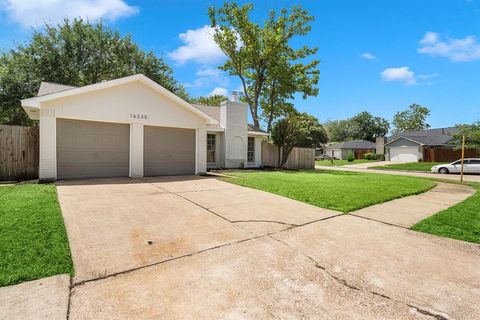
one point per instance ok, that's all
(299, 158)
(18, 152)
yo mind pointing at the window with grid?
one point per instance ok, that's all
(251, 149)
(211, 147)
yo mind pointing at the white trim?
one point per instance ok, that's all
(256, 133)
(215, 130)
(196, 151)
(36, 101)
(402, 137)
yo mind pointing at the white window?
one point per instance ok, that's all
(211, 146)
(251, 149)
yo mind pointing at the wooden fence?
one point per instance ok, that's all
(18, 152)
(299, 158)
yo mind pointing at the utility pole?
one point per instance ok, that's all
(463, 156)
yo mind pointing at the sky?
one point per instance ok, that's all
(376, 55)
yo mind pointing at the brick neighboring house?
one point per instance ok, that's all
(432, 145)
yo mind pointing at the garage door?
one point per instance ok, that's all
(407, 154)
(168, 151)
(88, 149)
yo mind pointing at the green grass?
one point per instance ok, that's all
(411, 166)
(339, 163)
(33, 240)
(336, 190)
(461, 221)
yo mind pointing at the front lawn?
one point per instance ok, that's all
(33, 241)
(411, 166)
(461, 221)
(339, 163)
(336, 190)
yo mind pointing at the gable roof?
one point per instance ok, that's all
(34, 103)
(439, 136)
(353, 144)
(52, 87)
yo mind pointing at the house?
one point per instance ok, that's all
(426, 145)
(133, 127)
(356, 147)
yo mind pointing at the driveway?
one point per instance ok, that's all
(194, 248)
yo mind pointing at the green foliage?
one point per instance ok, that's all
(370, 156)
(311, 133)
(74, 53)
(412, 119)
(269, 68)
(471, 133)
(285, 135)
(350, 157)
(213, 100)
(363, 126)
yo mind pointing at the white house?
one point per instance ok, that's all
(134, 127)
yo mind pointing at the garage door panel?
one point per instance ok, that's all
(168, 151)
(89, 149)
(404, 154)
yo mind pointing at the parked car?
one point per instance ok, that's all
(325, 157)
(470, 165)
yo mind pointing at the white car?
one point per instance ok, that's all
(471, 165)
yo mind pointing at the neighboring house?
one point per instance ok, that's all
(427, 145)
(356, 147)
(134, 127)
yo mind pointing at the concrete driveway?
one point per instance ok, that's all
(223, 251)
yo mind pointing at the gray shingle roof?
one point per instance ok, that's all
(440, 136)
(353, 144)
(252, 128)
(50, 87)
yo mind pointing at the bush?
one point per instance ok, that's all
(350, 157)
(373, 156)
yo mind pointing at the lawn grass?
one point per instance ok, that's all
(461, 221)
(339, 163)
(411, 166)
(336, 190)
(33, 240)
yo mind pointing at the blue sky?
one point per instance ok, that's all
(376, 55)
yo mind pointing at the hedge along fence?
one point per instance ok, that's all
(19, 148)
(299, 158)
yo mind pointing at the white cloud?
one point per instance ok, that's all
(428, 76)
(199, 46)
(435, 45)
(219, 91)
(402, 74)
(208, 77)
(36, 12)
(368, 56)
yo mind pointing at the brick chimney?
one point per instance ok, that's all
(380, 144)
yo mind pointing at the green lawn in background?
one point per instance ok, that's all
(336, 190)
(33, 240)
(339, 163)
(411, 166)
(461, 221)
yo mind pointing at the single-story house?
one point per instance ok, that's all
(426, 145)
(356, 147)
(133, 127)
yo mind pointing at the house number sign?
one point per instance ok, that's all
(138, 116)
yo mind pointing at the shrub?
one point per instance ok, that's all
(350, 157)
(373, 156)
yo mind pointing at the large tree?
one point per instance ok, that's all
(363, 126)
(472, 136)
(253, 50)
(74, 53)
(412, 119)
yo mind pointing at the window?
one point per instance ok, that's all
(474, 161)
(211, 139)
(251, 149)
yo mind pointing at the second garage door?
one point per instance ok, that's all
(168, 151)
(407, 154)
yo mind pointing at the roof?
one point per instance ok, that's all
(34, 103)
(214, 112)
(439, 136)
(353, 144)
(51, 87)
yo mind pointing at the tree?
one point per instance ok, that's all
(471, 133)
(311, 133)
(253, 50)
(213, 100)
(338, 130)
(363, 126)
(412, 119)
(75, 53)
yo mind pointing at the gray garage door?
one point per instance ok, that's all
(168, 151)
(88, 149)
